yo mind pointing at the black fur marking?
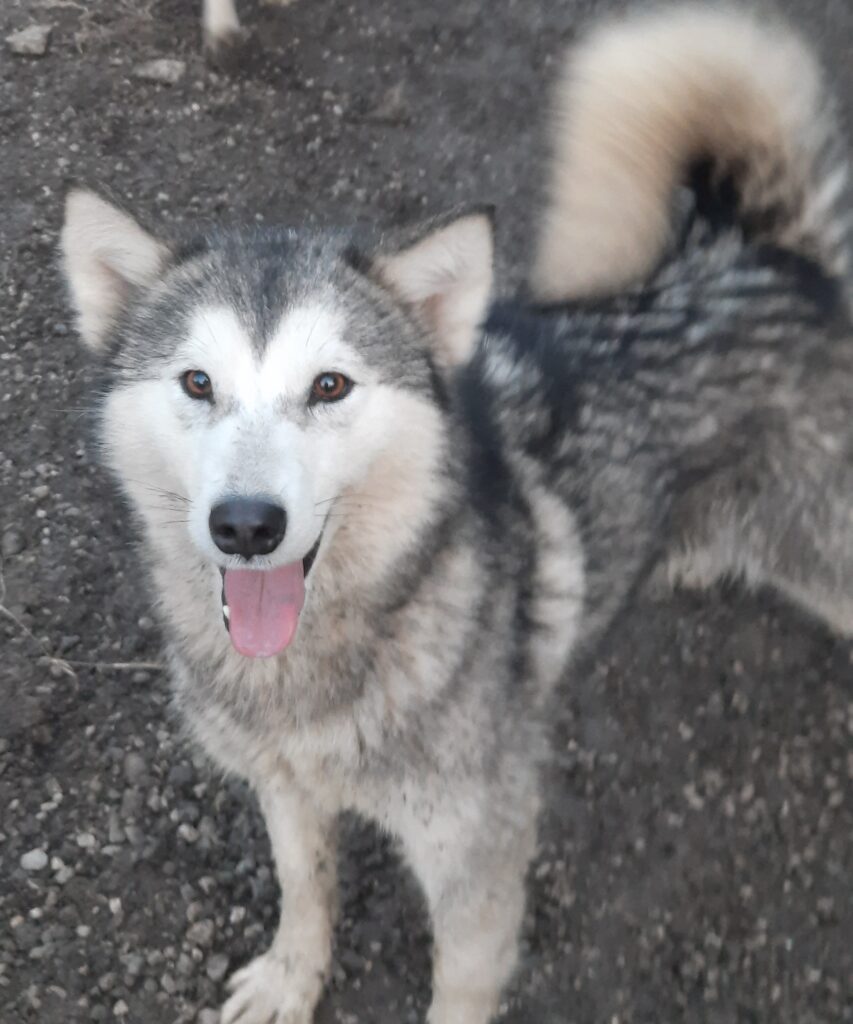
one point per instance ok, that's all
(357, 259)
(811, 281)
(490, 482)
(189, 249)
(716, 196)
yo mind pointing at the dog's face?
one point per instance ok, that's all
(269, 392)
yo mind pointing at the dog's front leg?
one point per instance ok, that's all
(474, 879)
(284, 984)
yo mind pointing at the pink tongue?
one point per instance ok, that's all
(264, 608)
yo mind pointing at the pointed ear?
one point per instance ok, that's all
(105, 256)
(446, 275)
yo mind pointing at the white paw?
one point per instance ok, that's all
(267, 991)
(226, 48)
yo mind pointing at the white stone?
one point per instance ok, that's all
(35, 860)
(31, 41)
(165, 70)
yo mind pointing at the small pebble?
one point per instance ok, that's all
(135, 768)
(165, 71)
(115, 833)
(217, 966)
(188, 833)
(201, 933)
(12, 543)
(133, 964)
(35, 860)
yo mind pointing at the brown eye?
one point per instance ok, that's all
(330, 387)
(197, 384)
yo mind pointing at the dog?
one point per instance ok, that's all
(384, 515)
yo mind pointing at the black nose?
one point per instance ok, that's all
(247, 526)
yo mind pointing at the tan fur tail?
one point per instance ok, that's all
(643, 101)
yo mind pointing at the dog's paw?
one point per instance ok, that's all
(228, 50)
(266, 992)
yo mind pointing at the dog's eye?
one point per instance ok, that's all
(197, 384)
(330, 387)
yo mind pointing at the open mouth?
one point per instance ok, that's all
(261, 607)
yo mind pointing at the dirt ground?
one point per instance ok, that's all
(697, 851)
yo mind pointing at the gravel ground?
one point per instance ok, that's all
(696, 856)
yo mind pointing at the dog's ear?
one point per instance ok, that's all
(106, 255)
(445, 273)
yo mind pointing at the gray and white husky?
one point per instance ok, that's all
(404, 509)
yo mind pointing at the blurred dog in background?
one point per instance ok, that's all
(221, 25)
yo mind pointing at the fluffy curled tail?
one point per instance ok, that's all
(644, 101)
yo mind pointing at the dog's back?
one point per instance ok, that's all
(720, 382)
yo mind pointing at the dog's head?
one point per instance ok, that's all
(272, 390)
